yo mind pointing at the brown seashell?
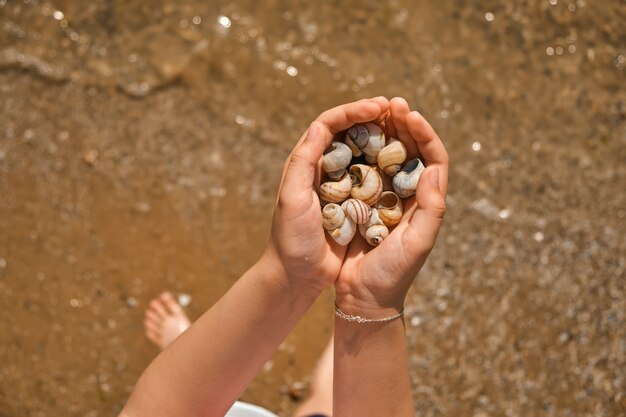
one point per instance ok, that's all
(357, 210)
(391, 157)
(366, 184)
(336, 191)
(389, 208)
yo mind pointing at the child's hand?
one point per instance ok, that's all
(298, 242)
(373, 282)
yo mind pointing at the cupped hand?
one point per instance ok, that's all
(298, 242)
(374, 281)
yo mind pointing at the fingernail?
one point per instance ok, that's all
(312, 131)
(434, 178)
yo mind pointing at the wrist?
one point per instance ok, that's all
(275, 274)
(368, 307)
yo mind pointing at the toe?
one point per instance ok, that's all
(171, 304)
(157, 306)
(154, 337)
(152, 325)
(153, 317)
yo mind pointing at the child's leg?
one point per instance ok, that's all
(321, 400)
(164, 320)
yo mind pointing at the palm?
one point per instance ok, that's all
(302, 246)
(381, 276)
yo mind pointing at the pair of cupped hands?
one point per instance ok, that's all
(370, 281)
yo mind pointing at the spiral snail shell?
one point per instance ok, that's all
(357, 210)
(336, 191)
(342, 229)
(332, 216)
(335, 160)
(389, 208)
(391, 157)
(374, 231)
(366, 183)
(405, 181)
(369, 138)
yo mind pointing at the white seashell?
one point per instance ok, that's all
(405, 181)
(344, 233)
(356, 152)
(335, 160)
(332, 216)
(374, 230)
(375, 234)
(389, 208)
(369, 138)
(391, 157)
(336, 191)
(366, 184)
(357, 210)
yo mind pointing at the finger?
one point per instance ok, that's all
(399, 109)
(429, 145)
(299, 176)
(430, 207)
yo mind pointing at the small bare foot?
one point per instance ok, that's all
(164, 320)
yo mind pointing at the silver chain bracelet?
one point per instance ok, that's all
(359, 319)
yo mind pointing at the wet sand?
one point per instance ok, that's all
(141, 145)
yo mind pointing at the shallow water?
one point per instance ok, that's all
(141, 145)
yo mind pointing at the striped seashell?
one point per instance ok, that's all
(357, 210)
(336, 191)
(366, 183)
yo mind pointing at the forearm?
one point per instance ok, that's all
(371, 374)
(205, 370)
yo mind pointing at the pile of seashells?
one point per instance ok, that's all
(365, 184)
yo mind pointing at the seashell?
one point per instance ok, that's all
(336, 191)
(357, 210)
(389, 208)
(369, 138)
(366, 184)
(374, 231)
(344, 233)
(375, 234)
(356, 152)
(391, 157)
(332, 216)
(335, 160)
(405, 181)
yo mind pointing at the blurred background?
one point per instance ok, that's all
(141, 144)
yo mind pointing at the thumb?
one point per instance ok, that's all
(431, 206)
(302, 165)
